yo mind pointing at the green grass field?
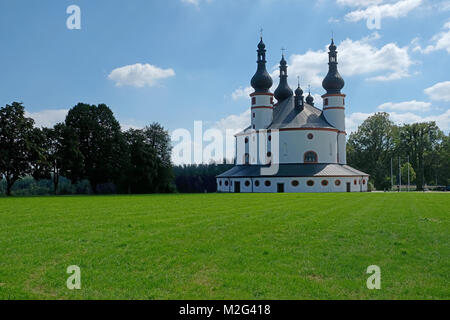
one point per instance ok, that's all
(226, 246)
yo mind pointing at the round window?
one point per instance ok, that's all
(337, 182)
(247, 183)
(257, 183)
(269, 154)
(267, 183)
(246, 140)
(324, 183)
(226, 183)
(220, 183)
(295, 183)
(310, 136)
(310, 183)
(364, 181)
(270, 138)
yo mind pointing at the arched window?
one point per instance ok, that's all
(310, 157)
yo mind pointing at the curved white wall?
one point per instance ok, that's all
(357, 184)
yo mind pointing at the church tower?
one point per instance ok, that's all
(283, 91)
(262, 98)
(334, 102)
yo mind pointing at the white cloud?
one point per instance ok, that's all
(359, 3)
(442, 120)
(406, 106)
(441, 41)
(354, 120)
(47, 118)
(359, 57)
(194, 2)
(241, 92)
(439, 92)
(394, 10)
(234, 122)
(139, 75)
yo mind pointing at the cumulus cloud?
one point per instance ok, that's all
(359, 3)
(234, 122)
(442, 120)
(406, 106)
(139, 75)
(241, 93)
(47, 118)
(440, 41)
(356, 57)
(390, 10)
(440, 91)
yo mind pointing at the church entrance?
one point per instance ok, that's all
(349, 187)
(280, 188)
(237, 187)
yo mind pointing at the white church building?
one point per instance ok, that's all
(291, 145)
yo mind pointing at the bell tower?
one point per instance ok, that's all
(334, 102)
(262, 98)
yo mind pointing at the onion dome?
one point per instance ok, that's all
(283, 91)
(299, 91)
(298, 99)
(309, 98)
(261, 81)
(333, 82)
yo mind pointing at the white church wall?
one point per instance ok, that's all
(300, 185)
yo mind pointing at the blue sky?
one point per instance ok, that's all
(178, 61)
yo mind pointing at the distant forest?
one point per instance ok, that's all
(89, 154)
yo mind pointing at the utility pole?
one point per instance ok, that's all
(399, 175)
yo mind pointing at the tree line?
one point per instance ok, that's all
(88, 146)
(89, 153)
(378, 143)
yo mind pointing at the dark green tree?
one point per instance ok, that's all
(149, 167)
(369, 149)
(100, 142)
(421, 141)
(17, 144)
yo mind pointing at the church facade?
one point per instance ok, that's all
(291, 145)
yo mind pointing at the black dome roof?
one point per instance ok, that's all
(333, 82)
(261, 81)
(283, 91)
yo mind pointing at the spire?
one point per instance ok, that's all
(298, 96)
(333, 82)
(261, 81)
(309, 98)
(299, 91)
(283, 91)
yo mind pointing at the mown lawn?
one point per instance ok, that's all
(226, 246)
